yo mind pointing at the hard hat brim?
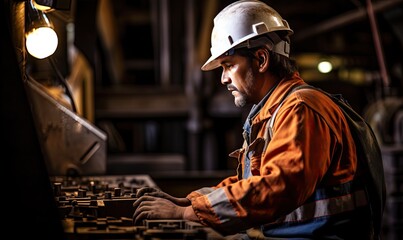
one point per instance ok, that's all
(210, 64)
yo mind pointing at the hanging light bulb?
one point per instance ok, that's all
(40, 38)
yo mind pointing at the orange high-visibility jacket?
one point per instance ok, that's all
(295, 177)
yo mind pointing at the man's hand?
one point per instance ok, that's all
(151, 207)
(149, 191)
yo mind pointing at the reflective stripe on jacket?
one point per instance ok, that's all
(311, 151)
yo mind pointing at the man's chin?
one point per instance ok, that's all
(240, 102)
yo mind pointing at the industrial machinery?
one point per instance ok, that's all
(100, 207)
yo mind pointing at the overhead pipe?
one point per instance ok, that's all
(378, 45)
(342, 20)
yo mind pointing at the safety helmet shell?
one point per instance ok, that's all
(239, 22)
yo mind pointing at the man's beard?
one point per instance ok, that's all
(244, 98)
(241, 101)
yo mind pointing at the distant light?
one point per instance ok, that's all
(325, 66)
(41, 42)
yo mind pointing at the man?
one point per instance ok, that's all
(298, 175)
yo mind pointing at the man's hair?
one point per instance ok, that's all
(280, 66)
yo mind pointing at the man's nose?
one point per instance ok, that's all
(225, 79)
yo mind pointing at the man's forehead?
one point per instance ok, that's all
(227, 58)
(235, 58)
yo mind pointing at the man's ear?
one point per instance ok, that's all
(263, 58)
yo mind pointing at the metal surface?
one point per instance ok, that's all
(71, 144)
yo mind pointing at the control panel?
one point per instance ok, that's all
(101, 207)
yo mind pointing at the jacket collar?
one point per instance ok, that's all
(274, 99)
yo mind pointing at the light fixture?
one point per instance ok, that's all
(40, 37)
(53, 4)
(40, 7)
(325, 66)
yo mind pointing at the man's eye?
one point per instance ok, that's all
(226, 66)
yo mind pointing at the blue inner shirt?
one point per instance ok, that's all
(247, 130)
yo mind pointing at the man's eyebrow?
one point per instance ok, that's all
(225, 59)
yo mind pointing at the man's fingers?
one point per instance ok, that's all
(142, 201)
(143, 208)
(139, 216)
(145, 190)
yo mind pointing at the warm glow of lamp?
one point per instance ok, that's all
(41, 42)
(41, 39)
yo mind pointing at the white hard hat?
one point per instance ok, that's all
(239, 22)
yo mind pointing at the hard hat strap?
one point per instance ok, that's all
(282, 48)
(270, 40)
